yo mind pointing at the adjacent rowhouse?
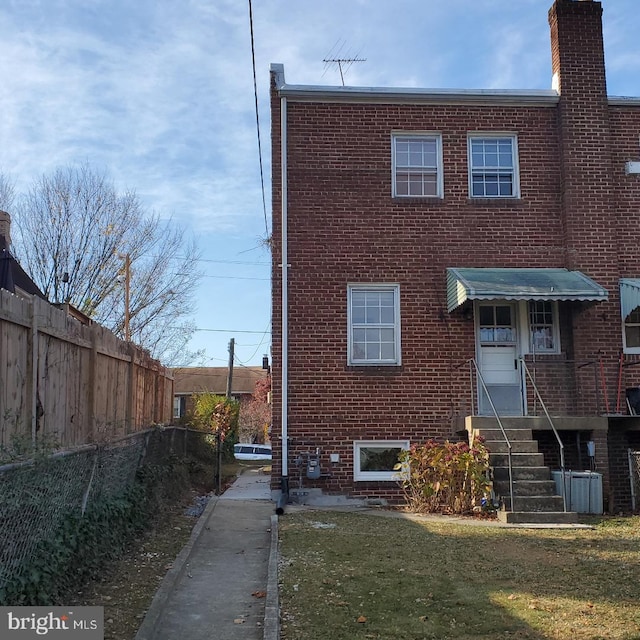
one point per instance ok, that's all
(444, 260)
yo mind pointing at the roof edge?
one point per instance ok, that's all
(624, 101)
(311, 93)
(527, 97)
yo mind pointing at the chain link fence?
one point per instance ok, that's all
(634, 477)
(36, 496)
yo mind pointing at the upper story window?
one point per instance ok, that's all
(374, 324)
(417, 166)
(493, 166)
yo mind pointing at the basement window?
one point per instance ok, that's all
(374, 460)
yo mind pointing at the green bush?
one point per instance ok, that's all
(446, 477)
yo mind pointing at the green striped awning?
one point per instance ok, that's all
(520, 284)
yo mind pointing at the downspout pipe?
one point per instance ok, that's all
(284, 478)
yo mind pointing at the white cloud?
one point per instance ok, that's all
(160, 93)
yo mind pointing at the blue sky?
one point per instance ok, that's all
(159, 93)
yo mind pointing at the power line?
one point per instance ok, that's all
(228, 277)
(243, 262)
(255, 93)
(251, 264)
(262, 341)
(251, 369)
(232, 331)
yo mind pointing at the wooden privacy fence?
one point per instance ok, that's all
(68, 383)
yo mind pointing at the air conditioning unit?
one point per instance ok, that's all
(583, 490)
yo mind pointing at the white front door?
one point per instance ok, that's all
(498, 353)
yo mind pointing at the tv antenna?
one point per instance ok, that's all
(341, 58)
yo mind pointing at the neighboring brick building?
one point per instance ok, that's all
(425, 228)
(191, 381)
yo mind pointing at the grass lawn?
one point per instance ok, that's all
(346, 576)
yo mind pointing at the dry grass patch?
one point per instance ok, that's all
(352, 575)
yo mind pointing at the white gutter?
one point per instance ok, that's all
(284, 311)
(395, 95)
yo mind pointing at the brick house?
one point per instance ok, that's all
(191, 381)
(446, 260)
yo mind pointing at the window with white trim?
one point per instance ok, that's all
(632, 332)
(377, 460)
(178, 405)
(493, 166)
(374, 324)
(417, 166)
(544, 336)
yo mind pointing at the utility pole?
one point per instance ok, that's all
(127, 295)
(228, 396)
(232, 343)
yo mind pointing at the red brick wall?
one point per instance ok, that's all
(344, 227)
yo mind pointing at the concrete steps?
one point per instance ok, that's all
(517, 446)
(534, 492)
(527, 487)
(534, 503)
(521, 460)
(522, 473)
(538, 517)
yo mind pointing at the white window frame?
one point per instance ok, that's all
(177, 402)
(625, 348)
(351, 326)
(514, 170)
(377, 476)
(555, 328)
(434, 136)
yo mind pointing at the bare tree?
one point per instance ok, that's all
(7, 193)
(75, 233)
(255, 414)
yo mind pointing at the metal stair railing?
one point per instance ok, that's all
(474, 365)
(553, 428)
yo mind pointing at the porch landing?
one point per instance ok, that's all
(535, 423)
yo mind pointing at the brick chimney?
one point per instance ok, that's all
(588, 198)
(5, 227)
(577, 49)
(577, 55)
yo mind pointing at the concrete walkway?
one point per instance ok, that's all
(218, 587)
